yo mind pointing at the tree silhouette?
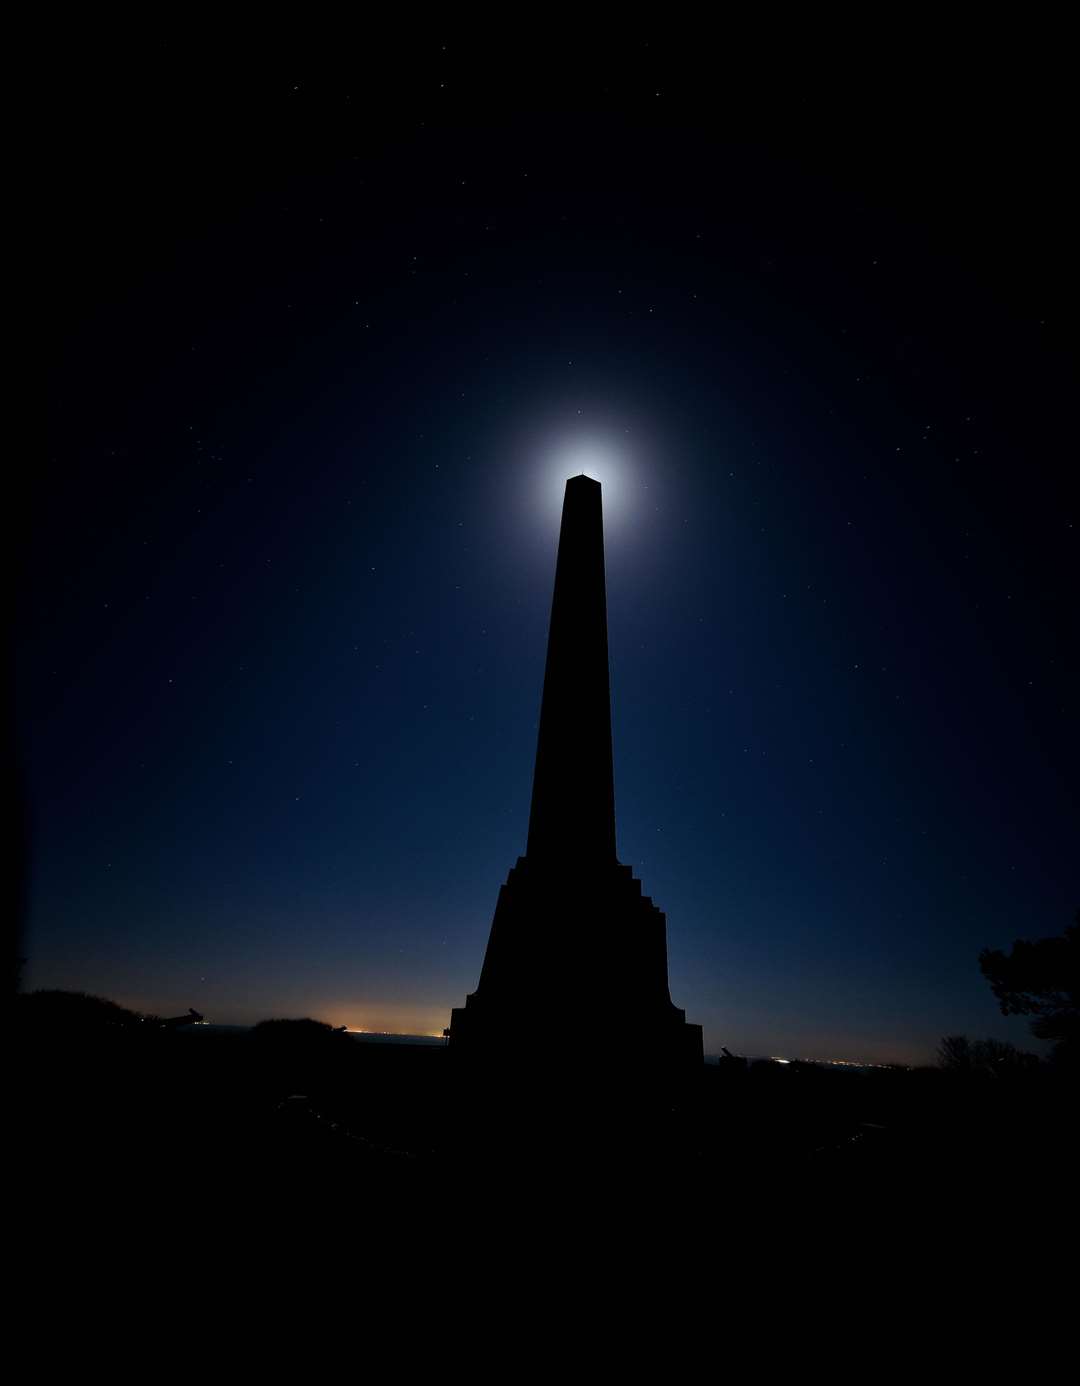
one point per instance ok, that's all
(996, 1057)
(1041, 978)
(954, 1052)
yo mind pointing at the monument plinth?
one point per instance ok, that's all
(576, 962)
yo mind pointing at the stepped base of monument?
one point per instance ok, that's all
(574, 981)
(565, 1045)
(534, 1107)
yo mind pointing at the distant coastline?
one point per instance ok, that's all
(364, 1036)
(387, 1037)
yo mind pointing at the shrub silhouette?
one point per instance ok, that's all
(74, 1010)
(299, 1054)
(295, 1034)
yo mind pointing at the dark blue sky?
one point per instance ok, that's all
(322, 354)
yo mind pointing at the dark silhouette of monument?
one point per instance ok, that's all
(575, 973)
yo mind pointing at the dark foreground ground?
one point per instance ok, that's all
(315, 1202)
(164, 1129)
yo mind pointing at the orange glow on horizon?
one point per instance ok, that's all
(383, 1019)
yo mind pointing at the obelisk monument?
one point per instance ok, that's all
(576, 962)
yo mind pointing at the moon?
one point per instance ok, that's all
(605, 461)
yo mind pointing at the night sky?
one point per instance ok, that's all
(323, 350)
